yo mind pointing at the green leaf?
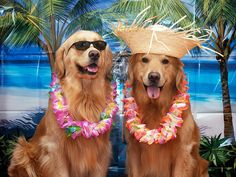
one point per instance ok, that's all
(56, 8)
(170, 9)
(90, 21)
(212, 150)
(82, 7)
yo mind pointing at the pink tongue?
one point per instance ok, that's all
(92, 69)
(153, 92)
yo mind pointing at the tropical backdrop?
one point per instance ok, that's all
(32, 30)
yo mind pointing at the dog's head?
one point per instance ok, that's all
(155, 75)
(84, 55)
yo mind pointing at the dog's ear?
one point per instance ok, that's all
(130, 69)
(179, 79)
(108, 58)
(180, 75)
(59, 63)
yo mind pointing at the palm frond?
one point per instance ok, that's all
(56, 8)
(49, 20)
(7, 19)
(211, 11)
(230, 11)
(176, 10)
(4, 33)
(220, 15)
(172, 10)
(89, 21)
(81, 7)
(213, 14)
(24, 32)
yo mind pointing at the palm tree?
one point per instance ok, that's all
(220, 15)
(47, 22)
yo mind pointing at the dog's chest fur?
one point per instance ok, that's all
(87, 154)
(154, 159)
(158, 158)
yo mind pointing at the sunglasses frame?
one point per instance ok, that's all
(88, 44)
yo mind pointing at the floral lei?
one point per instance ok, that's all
(169, 123)
(77, 128)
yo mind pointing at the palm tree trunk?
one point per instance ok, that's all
(49, 51)
(228, 124)
(51, 58)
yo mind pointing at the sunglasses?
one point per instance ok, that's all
(84, 45)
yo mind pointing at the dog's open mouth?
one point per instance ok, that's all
(91, 69)
(153, 91)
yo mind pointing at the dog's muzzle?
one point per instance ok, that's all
(153, 89)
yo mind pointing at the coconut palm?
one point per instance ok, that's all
(220, 15)
(47, 22)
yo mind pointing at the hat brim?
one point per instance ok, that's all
(166, 42)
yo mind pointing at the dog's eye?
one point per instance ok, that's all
(165, 61)
(145, 60)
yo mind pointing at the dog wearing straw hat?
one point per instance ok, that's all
(163, 138)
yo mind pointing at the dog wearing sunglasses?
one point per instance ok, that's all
(82, 65)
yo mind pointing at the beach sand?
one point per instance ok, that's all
(15, 102)
(22, 99)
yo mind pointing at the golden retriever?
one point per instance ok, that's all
(176, 158)
(84, 77)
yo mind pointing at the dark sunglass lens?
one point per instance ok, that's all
(82, 45)
(100, 45)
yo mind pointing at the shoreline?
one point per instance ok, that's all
(13, 97)
(15, 103)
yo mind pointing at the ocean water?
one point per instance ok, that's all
(203, 77)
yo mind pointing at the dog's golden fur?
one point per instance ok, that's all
(50, 153)
(176, 158)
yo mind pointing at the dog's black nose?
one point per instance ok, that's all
(94, 55)
(154, 76)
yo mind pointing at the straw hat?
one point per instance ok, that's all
(159, 39)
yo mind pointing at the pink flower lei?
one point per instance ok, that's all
(77, 128)
(169, 123)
